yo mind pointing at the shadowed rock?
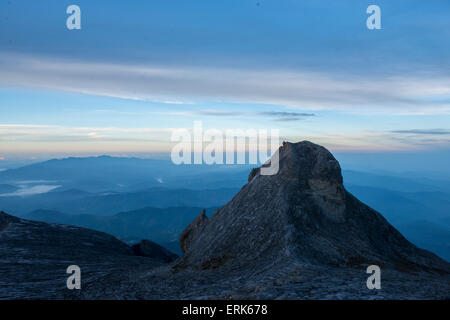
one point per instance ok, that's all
(149, 249)
(5, 220)
(193, 230)
(34, 257)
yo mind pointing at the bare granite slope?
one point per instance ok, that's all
(34, 257)
(302, 214)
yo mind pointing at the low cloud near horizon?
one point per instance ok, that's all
(424, 132)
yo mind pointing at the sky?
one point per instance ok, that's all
(134, 72)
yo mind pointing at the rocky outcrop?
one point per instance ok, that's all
(252, 174)
(5, 220)
(34, 257)
(149, 249)
(193, 230)
(302, 214)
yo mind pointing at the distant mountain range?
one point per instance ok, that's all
(394, 182)
(107, 174)
(7, 188)
(108, 203)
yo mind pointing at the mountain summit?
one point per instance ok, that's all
(301, 215)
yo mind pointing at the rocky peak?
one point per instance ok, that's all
(302, 214)
(305, 160)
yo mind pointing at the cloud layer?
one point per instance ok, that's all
(423, 132)
(401, 94)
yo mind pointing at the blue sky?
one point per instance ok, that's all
(309, 68)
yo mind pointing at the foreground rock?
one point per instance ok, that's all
(149, 249)
(34, 257)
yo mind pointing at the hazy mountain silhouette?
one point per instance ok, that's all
(106, 174)
(79, 202)
(406, 183)
(428, 235)
(162, 225)
(7, 188)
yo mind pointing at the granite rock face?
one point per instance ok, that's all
(193, 230)
(34, 257)
(149, 249)
(303, 215)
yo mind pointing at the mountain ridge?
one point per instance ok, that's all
(34, 257)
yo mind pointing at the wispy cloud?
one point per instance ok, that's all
(286, 114)
(53, 133)
(48, 138)
(424, 131)
(402, 94)
(275, 115)
(288, 119)
(212, 113)
(44, 138)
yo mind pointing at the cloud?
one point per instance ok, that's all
(213, 113)
(276, 115)
(46, 138)
(374, 141)
(286, 114)
(24, 138)
(402, 94)
(424, 132)
(287, 119)
(54, 133)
